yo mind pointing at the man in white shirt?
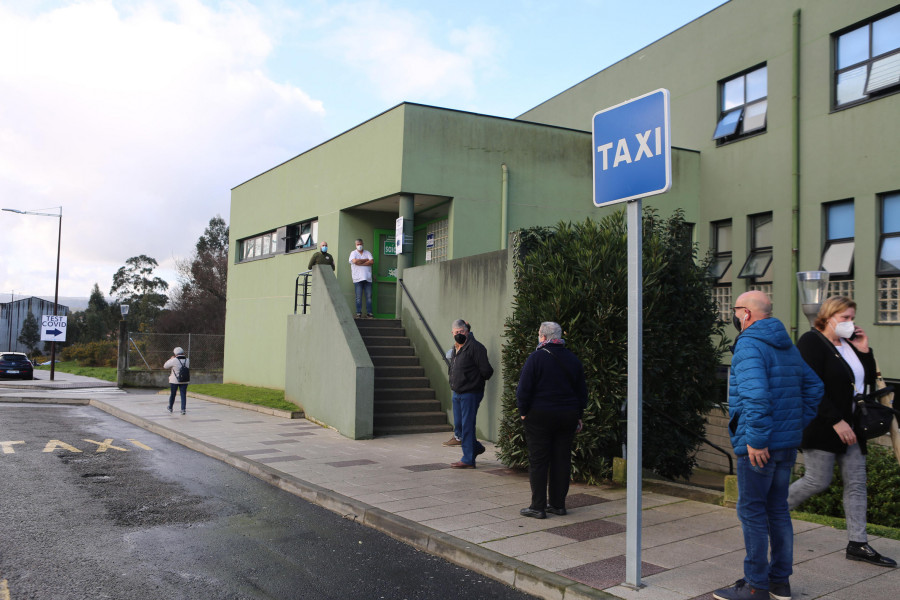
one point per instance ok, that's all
(361, 262)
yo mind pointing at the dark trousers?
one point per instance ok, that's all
(549, 436)
(175, 387)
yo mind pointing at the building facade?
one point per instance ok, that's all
(13, 315)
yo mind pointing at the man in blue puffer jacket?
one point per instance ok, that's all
(772, 396)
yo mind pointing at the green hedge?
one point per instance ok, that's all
(882, 487)
(576, 275)
(93, 354)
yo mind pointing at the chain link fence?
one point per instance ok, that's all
(151, 350)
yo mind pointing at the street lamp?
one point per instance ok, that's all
(56, 289)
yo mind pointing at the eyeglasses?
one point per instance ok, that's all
(734, 308)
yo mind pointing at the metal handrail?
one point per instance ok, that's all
(305, 275)
(424, 322)
(696, 435)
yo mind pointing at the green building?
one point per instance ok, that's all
(785, 126)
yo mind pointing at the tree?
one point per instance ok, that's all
(31, 333)
(576, 275)
(198, 303)
(97, 322)
(135, 285)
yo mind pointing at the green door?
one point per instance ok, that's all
(384, 280)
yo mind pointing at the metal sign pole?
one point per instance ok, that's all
(635, 395)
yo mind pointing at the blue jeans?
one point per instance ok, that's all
(468, 409)
(363, 287)
(457, 418)
(174, 387)
(763, 511)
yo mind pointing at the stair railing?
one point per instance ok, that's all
(424, 322)
(305, 293)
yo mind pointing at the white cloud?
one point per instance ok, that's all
(406, 55)
(138, 118)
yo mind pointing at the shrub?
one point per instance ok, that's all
(576, 275)
(882, 487)
(93, 354)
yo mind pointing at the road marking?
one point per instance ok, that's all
(8, 449)
(55, 444)
(105, 445)
(140, 445)
(4, 590)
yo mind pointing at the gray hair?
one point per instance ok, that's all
(550, 330)
(458, 324)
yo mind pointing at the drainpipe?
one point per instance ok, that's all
(504, 206)
(795, 175)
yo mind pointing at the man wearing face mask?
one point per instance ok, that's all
(772, 396)
(361, 262)
(838, 350)
(322, 257)
(469, 370)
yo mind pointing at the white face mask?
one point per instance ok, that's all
(844, 329)
(359, 247)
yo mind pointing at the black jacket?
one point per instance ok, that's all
(552, 379)
(321, 258)
(837, 403)
(469, 367)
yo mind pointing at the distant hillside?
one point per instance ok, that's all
(75, 303)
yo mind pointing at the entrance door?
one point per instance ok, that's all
(384, 279)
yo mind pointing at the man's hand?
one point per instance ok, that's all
(758, 458)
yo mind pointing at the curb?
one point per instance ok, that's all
(514, 573)
(44, 400)
(284, 414)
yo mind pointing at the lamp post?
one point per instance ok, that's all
(56, 289)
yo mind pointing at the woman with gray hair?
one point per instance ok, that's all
(179, 377)
(551, 397)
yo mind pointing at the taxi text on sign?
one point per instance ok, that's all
(632, 149)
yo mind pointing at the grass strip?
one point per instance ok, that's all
(838, 523)
(245, 393)
(104, 373)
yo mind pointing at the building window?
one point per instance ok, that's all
(743, 101)
(720, 268)
(758, 266)
(867, 60)
(436, 241)
(888, 269)
(260, 246)
(837, 257)
(300, 236)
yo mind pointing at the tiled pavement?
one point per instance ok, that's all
(403, 485)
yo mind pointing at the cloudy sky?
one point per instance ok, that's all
(139, 116)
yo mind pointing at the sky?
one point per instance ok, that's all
(138, 117)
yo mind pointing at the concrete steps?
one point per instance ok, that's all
(405, 402)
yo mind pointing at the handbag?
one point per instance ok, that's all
(871, 418)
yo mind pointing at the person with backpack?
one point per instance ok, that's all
(179, 377)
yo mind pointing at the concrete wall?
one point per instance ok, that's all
(159, 378)
(477, 289)
(328, 370)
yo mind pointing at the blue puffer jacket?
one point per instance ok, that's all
(773, 394)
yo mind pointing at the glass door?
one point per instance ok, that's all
(384, 274)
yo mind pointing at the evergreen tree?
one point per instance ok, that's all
(31, 333)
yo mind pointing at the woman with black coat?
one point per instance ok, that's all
(838, 351)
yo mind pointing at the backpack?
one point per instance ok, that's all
(183, 374)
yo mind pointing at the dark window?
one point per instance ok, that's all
(743, 101)
(302, 235)
(867, 60)
(889, 245)
(837, 257)
(720, 269)
(758, 265)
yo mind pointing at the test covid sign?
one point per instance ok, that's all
(53, 328)
(632, 150)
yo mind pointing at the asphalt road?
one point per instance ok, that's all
(92, 507)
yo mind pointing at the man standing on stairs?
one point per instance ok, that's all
(361, 262)
(469, 369)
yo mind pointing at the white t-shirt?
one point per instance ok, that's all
(358, 272)
(852, 359)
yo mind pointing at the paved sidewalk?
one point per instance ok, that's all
(403, 485)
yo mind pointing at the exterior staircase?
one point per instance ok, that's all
(404, 399)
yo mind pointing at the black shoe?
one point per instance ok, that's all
(779, 590)
(169, 408)
(534, 514)
(479, 451)
(866, 553)
(556, 511)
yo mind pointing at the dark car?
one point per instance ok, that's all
(16, 364)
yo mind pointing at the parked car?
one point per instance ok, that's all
(17, 365)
